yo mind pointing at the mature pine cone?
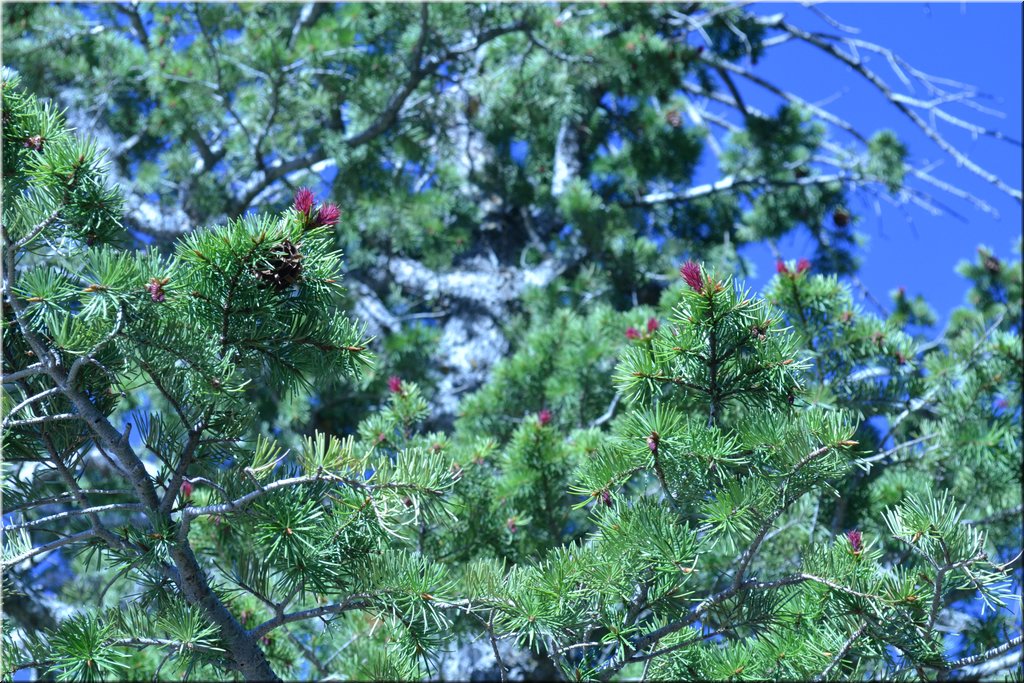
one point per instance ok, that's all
(284, 267)
(841, 217)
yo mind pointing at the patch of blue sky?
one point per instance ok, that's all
(327, 177)
(183, 41)
(612, 144)
(90, 12)
(412, 169)
(51, 562)
(368, 48)
(142, 237)
(881, 425)
(346, 116)
(428, 183)
(518, 150)
(619, 105)
(142, 106)
(604, 183)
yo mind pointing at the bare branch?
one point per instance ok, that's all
(43, 419)
(974, 665)
(732, 183)
(243, 501)
(34, 369)
(132, 11)
(38, 228)
(29, 401)
(928, 130)
(71, 513)
(353, 602)
(47, 547)
(608, 414)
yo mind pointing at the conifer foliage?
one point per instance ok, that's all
(578, 446)
(719, 453)
(218, 537)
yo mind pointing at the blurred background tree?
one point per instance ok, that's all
(478, 150)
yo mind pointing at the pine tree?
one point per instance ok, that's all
(712, 556)
(125, 395)
(564, 458)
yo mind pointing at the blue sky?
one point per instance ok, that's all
(975, 43)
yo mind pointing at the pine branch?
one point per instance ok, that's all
(868, 461)
(735, 184)
(62, 497)
(975, 665)
(42, 419)
(188, 574)
(354, 602)
(843, 651)
(494, 648)
(30, 371)
(79, 363)
(69, 514)
(243, 501)
(748, 555)
(194, 440)
(27, 402)
(69, 480)
(163, 642)
(47, 547)
(34, 232)
(614, 665)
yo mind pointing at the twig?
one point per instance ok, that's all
(929, 131)
(34, 369)
(494, 647)
(29, 401)
(47, 547)
(42, 419)
(608, 414)
(843, 651)
(354, 602)
(70, 513)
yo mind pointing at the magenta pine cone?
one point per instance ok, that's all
(328, 215)
(304, 200)
(691, 273)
